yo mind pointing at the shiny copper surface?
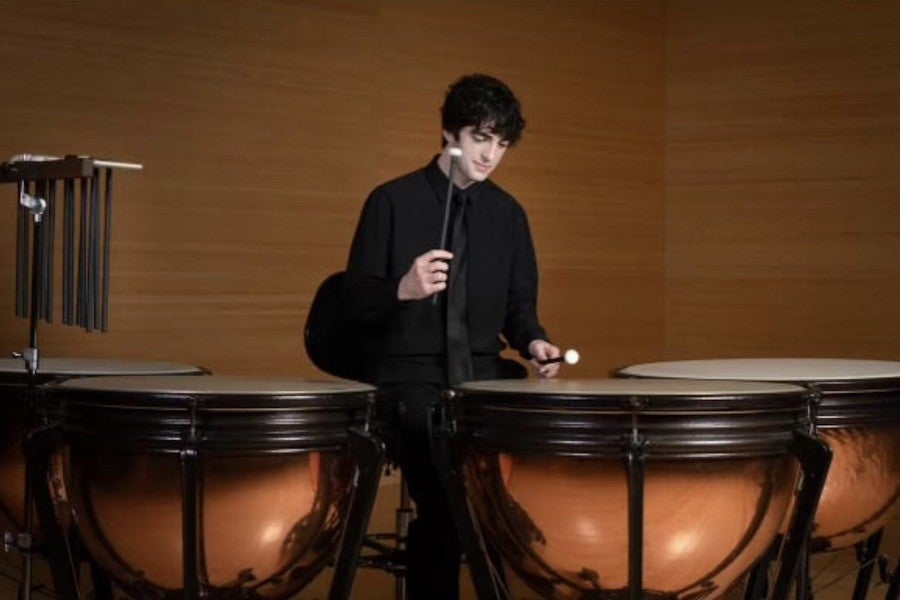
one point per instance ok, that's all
(562, 523)
(858, 419)
(862, 488)
(268, 522)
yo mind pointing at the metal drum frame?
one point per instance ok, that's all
(29, 406)
(633, 428)
(203, 421)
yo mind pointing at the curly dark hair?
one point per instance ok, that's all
(482, 100)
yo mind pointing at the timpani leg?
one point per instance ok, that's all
(894, 589)
(634, 459)
(369, 454)
(189, 523)
(470, 540)
(803, 582)
(100, 580)
(39, 445)
(815, 458)
(758, 579)
(866, 554)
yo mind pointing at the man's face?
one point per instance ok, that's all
(482, 151)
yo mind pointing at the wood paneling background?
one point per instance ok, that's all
(264, 125)
(782, 179)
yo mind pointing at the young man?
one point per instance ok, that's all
(419, 345)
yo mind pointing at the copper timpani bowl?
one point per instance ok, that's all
(544, 470)
(856, 412)
(273, 478)
(21, 411)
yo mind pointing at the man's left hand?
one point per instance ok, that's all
(543, 350)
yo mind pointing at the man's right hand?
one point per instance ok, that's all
(426, 276)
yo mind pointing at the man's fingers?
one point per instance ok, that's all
(444, 254)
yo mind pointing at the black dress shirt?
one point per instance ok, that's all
(400, 221)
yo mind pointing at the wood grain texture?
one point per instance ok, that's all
(782, 179)
(263, 126)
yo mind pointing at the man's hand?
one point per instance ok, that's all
(426, 276)
(543, 350)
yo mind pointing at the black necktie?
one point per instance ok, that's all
(459, 356)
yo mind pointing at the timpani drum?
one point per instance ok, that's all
(213, 487)
(856, 410)
(546, 470)
(20, 412)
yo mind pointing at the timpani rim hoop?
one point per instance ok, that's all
(598, 418)
(846, 392)
(215, 413)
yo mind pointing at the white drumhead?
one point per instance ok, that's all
(770, 369)
(624, 387)
(189, 385)
(88, 367)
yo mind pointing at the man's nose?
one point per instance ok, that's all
(489, 150)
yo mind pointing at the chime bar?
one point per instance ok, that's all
(68, 276)
(107, 234)
(86, 230)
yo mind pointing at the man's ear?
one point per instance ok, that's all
(450, 138)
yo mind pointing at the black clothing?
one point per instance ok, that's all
(459, 353)
(401, 220)
(433, 548)
(407, 342)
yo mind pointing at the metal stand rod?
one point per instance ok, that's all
(803, 581)
(815, 458)
(476, 555)
(635, 461)
(866, 553)
(31, 357)
(369, 454)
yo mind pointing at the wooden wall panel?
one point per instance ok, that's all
(264, 125)
(782, 179)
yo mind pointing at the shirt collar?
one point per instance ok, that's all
(438, 182)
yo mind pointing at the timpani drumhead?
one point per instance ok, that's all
(54, 369)
(856, 408)
(274, 477)
(544, 465)
(770, 369)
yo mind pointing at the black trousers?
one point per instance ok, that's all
(433, 548)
